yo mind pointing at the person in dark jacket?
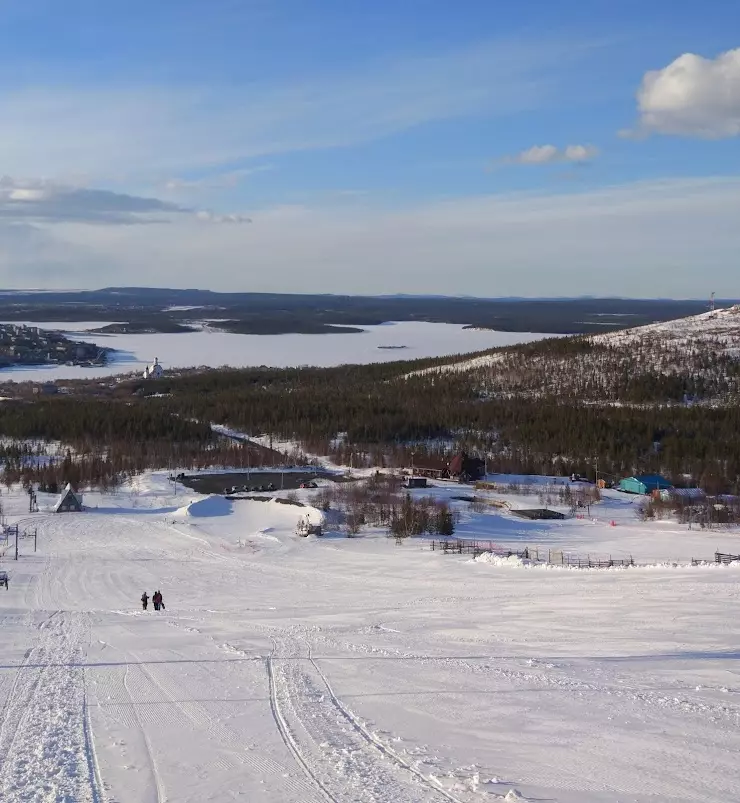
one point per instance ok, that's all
(157, 600)
(144, 600)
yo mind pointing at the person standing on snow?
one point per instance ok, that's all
(144, 600)
(157, 600)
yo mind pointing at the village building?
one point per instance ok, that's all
(153, 371)
(644, 484)
(461, 467)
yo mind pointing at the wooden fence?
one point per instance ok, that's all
(475, 548)
(720, 557)
(554, 557)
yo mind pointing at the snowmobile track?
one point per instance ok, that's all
(371, 739)
(161, 794)
(96, 781)
(287, 737)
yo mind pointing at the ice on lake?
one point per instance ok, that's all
(213, 348)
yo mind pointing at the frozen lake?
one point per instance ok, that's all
(213, 348)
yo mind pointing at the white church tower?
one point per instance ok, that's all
(153, 371)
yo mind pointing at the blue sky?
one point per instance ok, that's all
(409, 146)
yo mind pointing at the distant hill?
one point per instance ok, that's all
(695, 359)
(140, 309)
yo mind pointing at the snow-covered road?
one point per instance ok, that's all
(353, 670)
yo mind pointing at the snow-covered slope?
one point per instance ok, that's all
(717, 326)
(286, 669)
(696, 356)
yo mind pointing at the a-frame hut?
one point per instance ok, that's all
(69, 501)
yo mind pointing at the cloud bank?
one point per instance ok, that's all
(49, 202)
(636, 239)
(37, 201)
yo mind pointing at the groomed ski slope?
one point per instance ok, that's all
(351, 670)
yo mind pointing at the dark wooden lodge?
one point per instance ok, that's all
(462, 467)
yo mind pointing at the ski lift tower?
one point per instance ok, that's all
(711, 303)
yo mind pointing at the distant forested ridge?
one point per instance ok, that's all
(172, 310)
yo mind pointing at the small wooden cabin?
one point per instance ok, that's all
(69, 501)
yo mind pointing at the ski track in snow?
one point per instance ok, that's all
(332, 746)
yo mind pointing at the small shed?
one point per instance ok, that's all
(684, 495)
(644, 484)
(69, 501)
(415, 482)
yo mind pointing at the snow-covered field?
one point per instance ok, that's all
(213, 348)
(353, 670)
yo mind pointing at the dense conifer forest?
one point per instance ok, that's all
(557, 406)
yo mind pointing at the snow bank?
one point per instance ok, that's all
(513, 561)
(212, 505)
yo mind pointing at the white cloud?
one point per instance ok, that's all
(580, 153)
(550, 154)
(112, 131)
(693, 96)
(666, 237)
